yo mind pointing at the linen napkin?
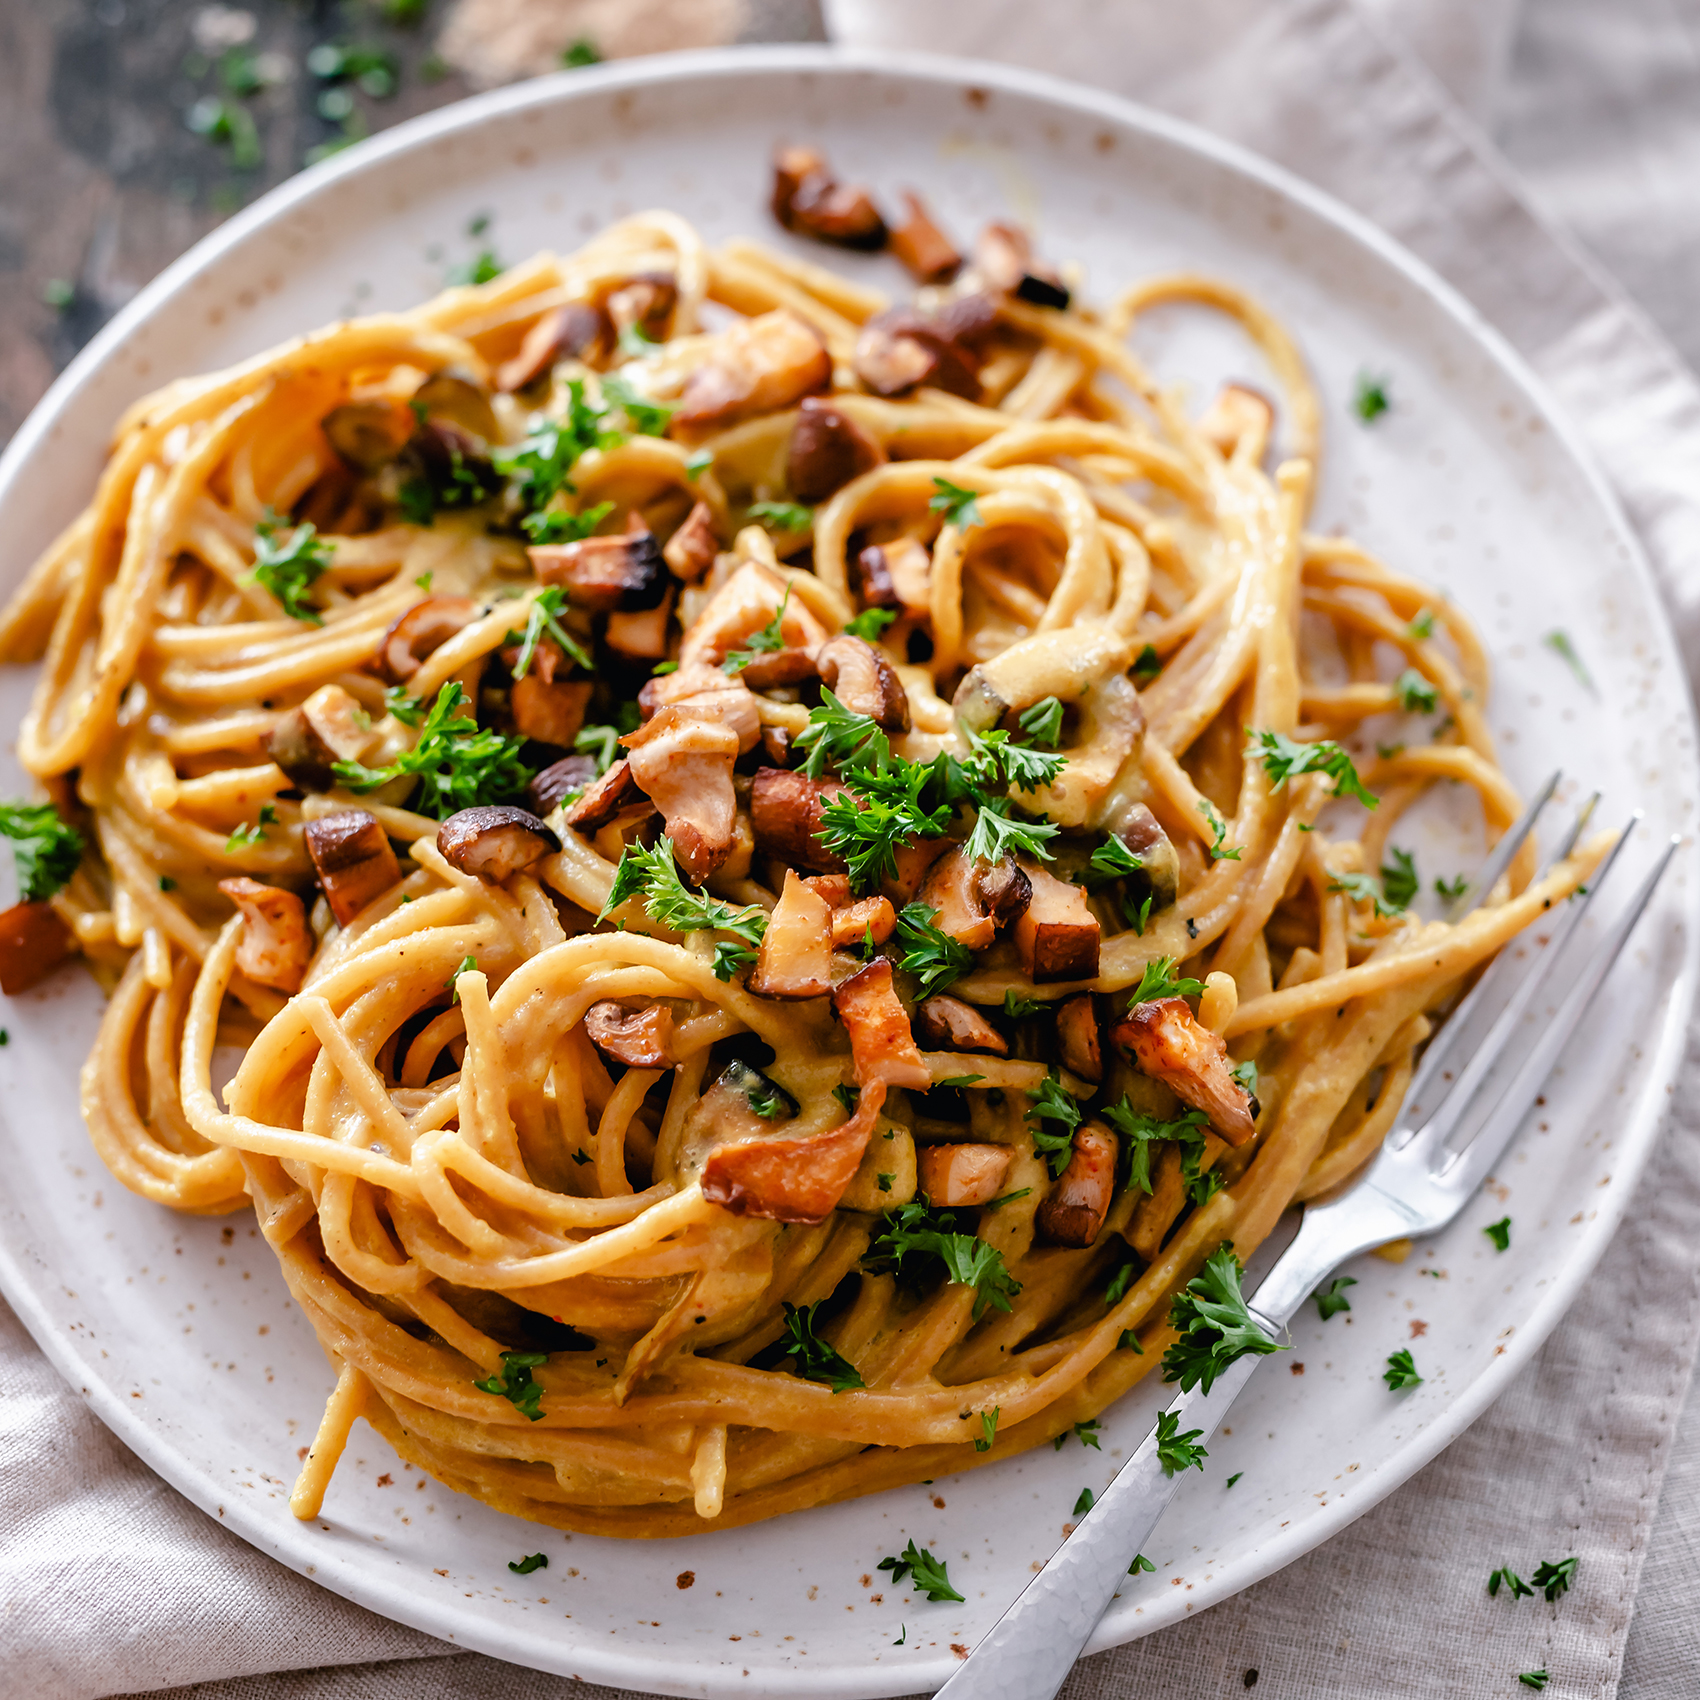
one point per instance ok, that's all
(110, 1583)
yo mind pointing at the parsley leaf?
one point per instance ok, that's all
(1233, 1478)
(1369, 398)
(768, 641)
(1053, 1103)
(542, 617)
(467, 965)
(881, 810)
(647, 418)
(997, 834)
(1505, 1576)
(1535, 1679)
(1363, 888)
(1147, 664)
(1401, 1371)
(698, 464)
(45, 850)
(1220, 828)
(1022, 768)
(550, 525)
(1555, 1579)
(1158, 981)
(1086, 1433)
(513, 1382)
(839, 736)
(1285, 758)
(1421, 627)
(532, 1561)
(960, 507)
(932, 1578)
(289, 570)
(1084, 1503)
(989, 1428)
(254, 832)
(1451, 890)
(1043, 721)
(1140, 1562)
(729, 958)
(787, 518)
(1112, 860)
(1399, 880)
(869, 624)
(1330, 1299)
(1416, 695)
(406, 709)
(1559, 643)
(935, 957)
(1139, 1130)
(1021, 1009)
(918, 1233)
(815, 1358)
(458, 764)
(1500, 1233)
(1215, 1326)
(652, 876)
(539, 465)
(1176, 1452)
(603, 741)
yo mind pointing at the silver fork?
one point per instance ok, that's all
(1455, 1123)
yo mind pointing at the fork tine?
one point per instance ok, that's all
(1442, 1121)
(1508, 846)
(1465, 1170)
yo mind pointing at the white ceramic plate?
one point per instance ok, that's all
(180, 1331)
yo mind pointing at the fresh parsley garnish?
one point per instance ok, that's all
(1401, 1372)
(1158, 981)
(840, 737)
(1555, 1579)
(542, 619)
(652, 876)
(1140, 1562)
(998, 834)
(699, 463)
(1086, 1433)
(1421, 628)
(996, 755)
(646, 417)
(988, 1428)
(1020, 1008)
(960, 507)
(290, 569)
(1559, 643)
(1285, 758)
(1215, 1326)
(45, 850)
(1369, 398)
(513, 1382)
(1246, 1074)
(1043, 721)
(931, 1575)
(467, 965)
(532, 1561)
(869, 624)
(551, 525)
(1112, 860)
(729, 958)
(1128, 1341)
(1365, 888)
(1052, 1102)
(635, 342)
(458, 764)
(1233, 1478)
(934, 957)
(881, 809)
(1500, 1233)
(1416, 695)
(1175, 1451)
(1147, 664)
(1004, 1198)
(406, 709)
(815, 1358)
(1219, 828)
(787, 518)
(1116, 1291)
(1330, 1299)
(1506, 1577)
(254, 832)
(1083, 1503)
(768, 641)
(603, 741)
(1451, 890)
(538, 466)
(1138, 1131)
(911, 1237)
(1399, 882)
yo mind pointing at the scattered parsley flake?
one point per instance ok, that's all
(1506, 1577)
(543, 619)
(653, 877)
(931, 1575)
(1555, 1579)
(1112, 860)
(1399, 882)
(1128, 1341)
(768, 641)
(646, 417)
(869, 624)
(1004, 1198)
(989, 1426)
(1558, 641)
(1219, 827)
(1233, 1478)
(960, 507)
(532, 1561)
(789, 519)
(934, 957)
(581, 53)
(699, 463)
(1158, 981)
(1414, 692)
(1451, 890)
(44, 849)
(1139, 1131)
(1053, 1102)
(1215, 1326)
(1140, 1562)
(918, 1233)
(1285, 758)
(513, 1382)
(1369, 397)
(467, 965)
(1147, 664)
(1175, 1451)
(289, 570)
(1043, 721)
(817, 1360)
(1421, 628)
(551, 525)
(1535, 1679)
(1401, 1371)
(1020, 1008)
(1500, 1233)
(1365, 888)
(1084, 1503)
(1330, 1299)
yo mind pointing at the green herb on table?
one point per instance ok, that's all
(1084, 1503)
(1535, 1679)
(1559, 643)
(1506, 1577)
(581, 53)
(1555, 1579)
(1140, 1562)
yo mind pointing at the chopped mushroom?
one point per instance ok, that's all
(826, 450)
(975, 900)
(577, 330)
(646, 303)
(33, 942)
(864, 681)
(353, 860)
(424, 628)
(914, 860)
(896, 575)
(604, 798)
(834, 888)
(929, 254)
(809, 200)
(750, 600)
(308, 741)
(900, 349)
(791, 1180)
(759, 366)
(854, 923)
(550, 713)
(881, 1044)
(1003, 256)
(1170, 1044)
(1063, 664)
(1078, 1038)
(961, 1176)
(695, 685)
(682, 761)
(762, 672)
(944, 1023)
(368, 435)
(785, 809)
(1160, 866)
(1239, 414)
(691, 549)
(642, 635)
(624, 572)
(795, 960)
(1057, 936)
(561, 779)
(495, 841)
(639, 1038)
(274, 946)
(1073, 1211)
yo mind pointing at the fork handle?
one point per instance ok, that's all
(1029, 1651)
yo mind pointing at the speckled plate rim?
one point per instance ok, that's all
(367, 1586)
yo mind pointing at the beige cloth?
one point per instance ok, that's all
(110, 1583)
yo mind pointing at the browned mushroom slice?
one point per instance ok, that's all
(796, 950)
(785, 812)
(1073, 1211)
(1170, 1044)
(834, 888)
(577, 330)
(881, 1044)
(929, 254)
(826, 450)
(960, 1176)
(682, 761)
(791, 168)
(868, 917)
(792, 1180)
(605, 798)
(1003, 255)
(639, 1038)
(424, 628)
(973, 900)
(495, 841)
(33, 942)
(1238, 413)
(809, 200)
(864, 681)
(368, 435)
(751, 599)
(603, 573)
(1078, 1038)
(353, 860)
(914, 862)
(646, 303)
(564, 778)
(759, 366)
(308, 741)
(722, 696)
(691, 549)
(944, 1023)
(274, 946)
(642, 635)
(458, 399)
(896, 575)
(899, 350)
(762, 672)
(1160, 866)
(550, 713)
(1057, 937)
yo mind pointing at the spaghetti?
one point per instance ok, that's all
(880, 896)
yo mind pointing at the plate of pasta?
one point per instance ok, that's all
(682, 886)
